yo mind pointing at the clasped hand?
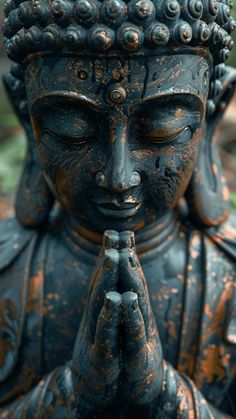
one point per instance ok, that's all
(118, 349)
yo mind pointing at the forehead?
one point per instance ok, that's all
(114, 81)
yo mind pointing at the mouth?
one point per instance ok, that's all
(113, 210)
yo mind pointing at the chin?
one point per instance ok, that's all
(134, 223)
(115, 224)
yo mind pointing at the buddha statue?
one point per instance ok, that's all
(117, 276)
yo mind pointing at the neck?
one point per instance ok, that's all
(153, 238)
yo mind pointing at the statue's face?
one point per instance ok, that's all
(118, 140)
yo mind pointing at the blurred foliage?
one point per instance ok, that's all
(232, 58)
(233, 200)
(12, 143)
(11, 158)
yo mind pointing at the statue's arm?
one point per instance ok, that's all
(180, 398)
(148, 378)
(90, 379)
(53, 397)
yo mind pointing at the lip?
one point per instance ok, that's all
(109, 209)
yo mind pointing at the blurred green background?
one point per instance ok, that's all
(13, 145)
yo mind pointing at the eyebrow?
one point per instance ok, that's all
(176, 97)
(60, 97)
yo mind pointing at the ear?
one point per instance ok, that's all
(207, 194)
(34, 200)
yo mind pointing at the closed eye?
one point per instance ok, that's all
(70, 139)
(160, 137)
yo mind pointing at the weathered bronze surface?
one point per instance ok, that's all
(118, 276)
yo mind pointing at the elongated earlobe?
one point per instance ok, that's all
(207, 195)
(34, 200)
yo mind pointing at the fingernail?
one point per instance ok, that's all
(112, 298)
(111, 239)
(127, 240)
(130, 300)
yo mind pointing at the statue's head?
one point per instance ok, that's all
(120, 101)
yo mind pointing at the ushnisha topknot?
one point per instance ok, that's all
(62, 26)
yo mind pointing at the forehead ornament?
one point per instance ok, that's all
(117, 94)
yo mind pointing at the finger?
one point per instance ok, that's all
(110, 241)
(127, 240)
(134, 328)
(106, 342)
(131, 280)
(107, 280)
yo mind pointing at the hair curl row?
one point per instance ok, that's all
(92, 25)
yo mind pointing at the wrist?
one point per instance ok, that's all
(176, 398)
(81, 405)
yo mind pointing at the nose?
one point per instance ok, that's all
(118, 175)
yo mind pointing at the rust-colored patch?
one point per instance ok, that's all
(35, 290)
(214, 363)
(225, 193)
(215, 169)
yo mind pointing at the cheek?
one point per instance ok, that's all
(70, 172)
(168, 172)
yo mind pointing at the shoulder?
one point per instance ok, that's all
(14, 238)
(224, 236)
(17, 246)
